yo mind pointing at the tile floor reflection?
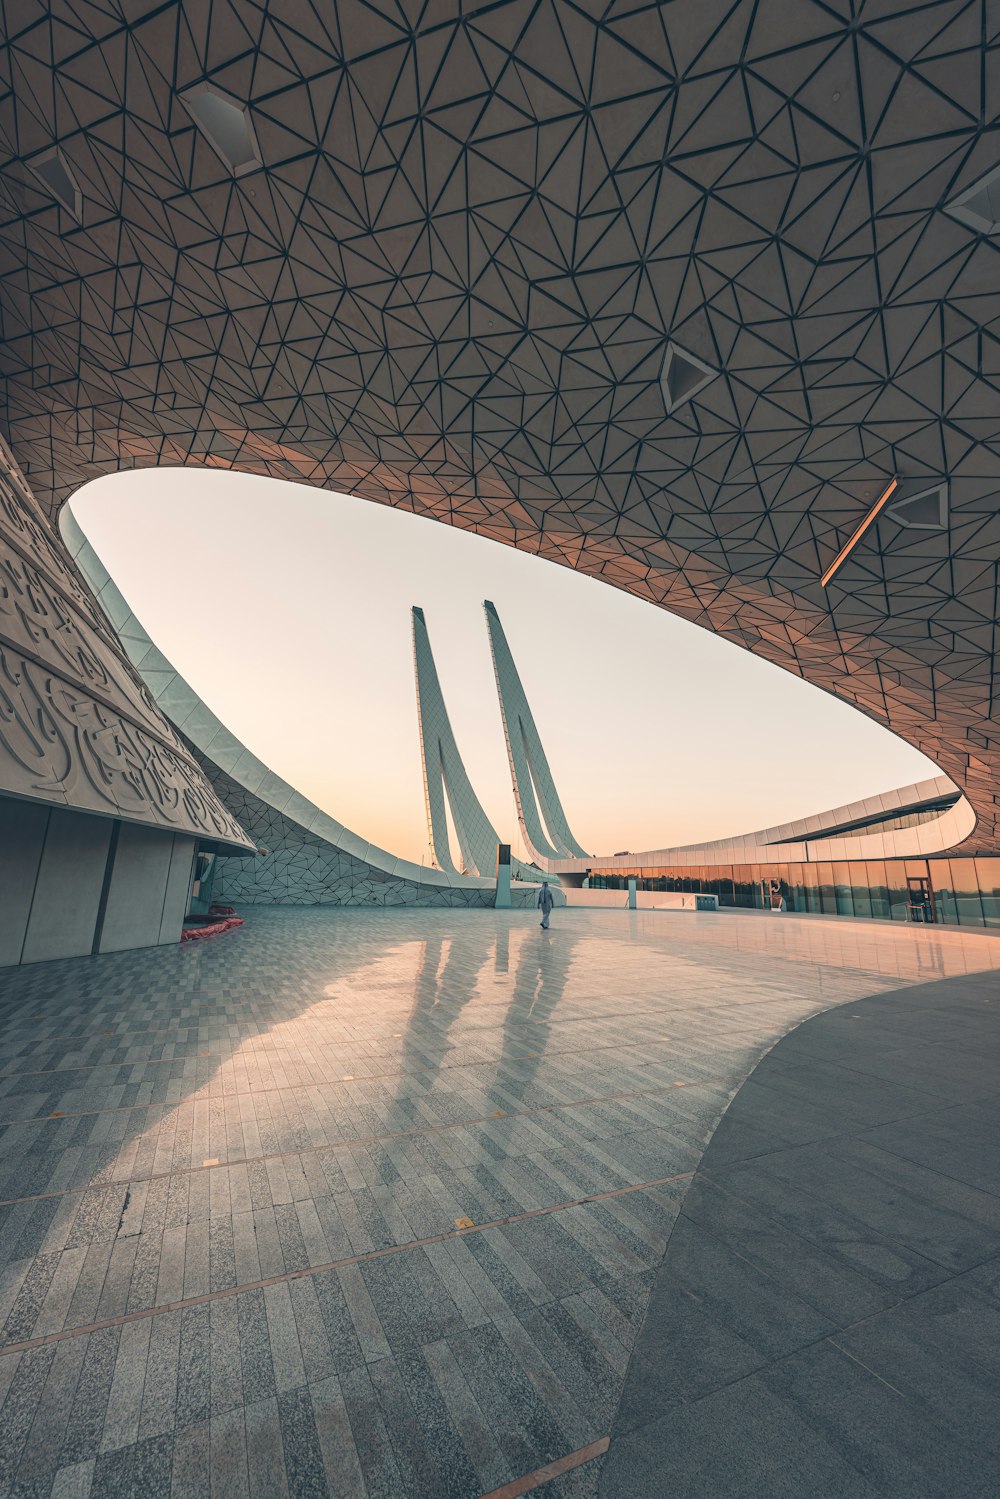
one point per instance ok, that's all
(235, 1179)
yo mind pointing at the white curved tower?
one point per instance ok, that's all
(543, 822)
(446, 781)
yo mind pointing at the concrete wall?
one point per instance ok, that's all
(175, 898)
(72, 883)
(67, 897)
(147, 867)
(22, 834)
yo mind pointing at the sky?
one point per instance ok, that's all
(288, 610)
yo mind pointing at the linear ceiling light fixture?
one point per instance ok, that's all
(849, 546)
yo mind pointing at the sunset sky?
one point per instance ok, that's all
(288, 610)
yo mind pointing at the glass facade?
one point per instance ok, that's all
(949, 892)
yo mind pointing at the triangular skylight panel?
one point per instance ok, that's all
(926, 511)
(52, 169)
(682, 377)
(226, 126)
(979, 205)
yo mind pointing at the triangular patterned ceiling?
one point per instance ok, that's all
(454, 281)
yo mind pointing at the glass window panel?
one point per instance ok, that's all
(966, 888)
(810, 886)
(842, 890)
(814, 898)
(988, 875)
(878, 890)
(827, 898)
(860, 893)
(895, 878)
(945, 907)
(797, 887)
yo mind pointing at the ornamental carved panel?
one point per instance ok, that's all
(77, 726)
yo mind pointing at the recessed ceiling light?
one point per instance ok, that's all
(52, 169)
(682, 377)
(227, 127)
(978, 207)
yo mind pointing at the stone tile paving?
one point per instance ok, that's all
(311, 1209)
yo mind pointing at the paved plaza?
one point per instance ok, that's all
(372, 1203)
(826, 1320)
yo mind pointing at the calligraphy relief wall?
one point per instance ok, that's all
(77, 726)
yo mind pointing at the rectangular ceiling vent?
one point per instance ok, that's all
(52, 170)
(226, 126)
(978, 207)
(682, 377)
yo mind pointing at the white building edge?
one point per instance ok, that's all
(446, 780)
(544, 825)
(822, 837)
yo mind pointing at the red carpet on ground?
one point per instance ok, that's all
(211, 929)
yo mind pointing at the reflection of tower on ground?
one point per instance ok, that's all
(451, 971)
(542, 968)
(501, 952)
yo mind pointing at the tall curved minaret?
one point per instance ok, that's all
(446, 781)
(540, 812)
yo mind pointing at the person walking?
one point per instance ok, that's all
(545, 903)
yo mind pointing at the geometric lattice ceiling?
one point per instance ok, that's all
(454, 280)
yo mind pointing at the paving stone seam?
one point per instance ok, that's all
(279, 1155)
(262, 1034)
(227, 1058)
(197, 1097)
(555, 1469)
(369, 1077)
(673, 1007)
(293, 1016)
(308, 1271)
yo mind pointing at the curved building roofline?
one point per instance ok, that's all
(661, 299)
(815, 838)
